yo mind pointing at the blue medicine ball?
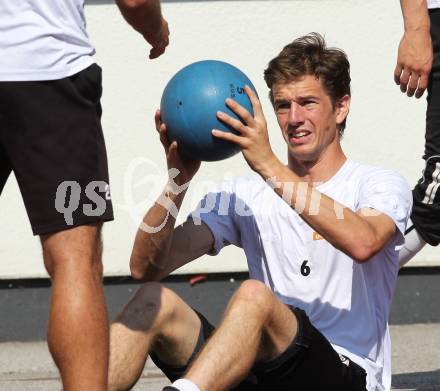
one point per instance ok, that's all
(190, 102)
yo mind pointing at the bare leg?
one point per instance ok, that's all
(256, 327)
(155, 319)
(78, 325)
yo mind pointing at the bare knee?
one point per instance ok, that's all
(74, 251)
(253, 293)
(255, 303)
(252, 301)
(151, 306)
(163, 317)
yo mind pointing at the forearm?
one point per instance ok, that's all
(340, 226)
(415, 15)
(143, 15)
(149, 258)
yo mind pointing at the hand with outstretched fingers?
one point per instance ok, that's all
(252, 137)
(414, 62)
(180, 168)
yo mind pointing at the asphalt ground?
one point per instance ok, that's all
(416, 363)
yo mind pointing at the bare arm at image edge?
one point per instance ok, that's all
(414, 59)
(145, 16)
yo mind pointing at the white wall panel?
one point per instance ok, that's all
(384, 127)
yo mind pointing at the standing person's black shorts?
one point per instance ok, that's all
(309, 363)
(426, 194)
(51, 138)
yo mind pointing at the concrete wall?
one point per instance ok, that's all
(384, 127)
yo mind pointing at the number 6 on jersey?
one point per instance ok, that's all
(305, 269)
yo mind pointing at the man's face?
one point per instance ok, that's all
(307, 118)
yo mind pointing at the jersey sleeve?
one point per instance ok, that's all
(217, 211)
(387, 192)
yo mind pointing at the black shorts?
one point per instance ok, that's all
(309, 363)
(51, 138)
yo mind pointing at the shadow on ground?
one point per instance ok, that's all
(417, 381)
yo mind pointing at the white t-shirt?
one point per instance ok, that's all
(433, 4)
(348, 302)
(43, 39)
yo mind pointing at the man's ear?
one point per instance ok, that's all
(342, 108)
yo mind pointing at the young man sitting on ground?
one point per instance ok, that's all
(320, 237)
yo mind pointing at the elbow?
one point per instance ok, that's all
(137, 273)
(363, 250)
(361, 256)
(141, 271)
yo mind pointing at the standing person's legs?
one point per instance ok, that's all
(78, 326)
(425, 227)
(51, 135)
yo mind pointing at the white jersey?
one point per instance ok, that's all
(43, 39)
(347, 301)
(433, 4)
